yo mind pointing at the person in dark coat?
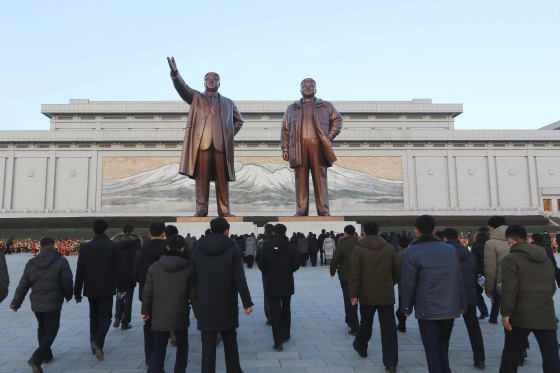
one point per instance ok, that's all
(217, 271)
(149, 254)
(404, 241)
(165, 300)
(9, 245)
(469, 270)
(130, 244)
(320, 241)
(4, 277)
(547, 240)
(190, 243)
(432, 283)
(313, 249)
(278, 262)
(50, 278)
(539, 240)
(303, 250)
(341, 263)
(480, 239)
(268, 233)
(100, 273)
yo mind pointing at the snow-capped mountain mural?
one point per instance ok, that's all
(266, 189)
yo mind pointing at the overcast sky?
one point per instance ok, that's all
(501, 59)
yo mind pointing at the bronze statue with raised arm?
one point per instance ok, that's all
(208, 147)
(309, 126)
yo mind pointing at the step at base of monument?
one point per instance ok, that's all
(309, 218)
(207, 219)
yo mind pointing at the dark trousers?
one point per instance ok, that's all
(435, 336)
(350, 311)
(123, 307)
(49, 322)
(250, 260)
(266, 301)
(475, 335)
(321, 255)
(400, 316)
(303, 259)
(481, 304)
(211, 164)
(515, 341)
(157, 358)
(208, 340)
(312, 159)
(313, 258)
(389, 341)
(100, 315)
(148, 339)
(496, 301)
(281, 318)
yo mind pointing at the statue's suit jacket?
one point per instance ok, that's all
(232, 121)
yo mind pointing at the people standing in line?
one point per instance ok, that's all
(166, 298)
(144, 258)
(495, 249)
(329, 247)
(101, 275)
(278, 262)
(250, 250)
(469, 270)
(313, 249)
(528, 287)
(268, 233)
(217, 270)
(374, 271)
(320, 241)
(480, 239)
(432, 284)
(303, 249)
(341, 264)
(50, 278)
(404, 241)
(130, 243)
(4, 277)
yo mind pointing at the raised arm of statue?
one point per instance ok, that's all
(182, 88)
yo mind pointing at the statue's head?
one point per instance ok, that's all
(212, 82)
(308, 88)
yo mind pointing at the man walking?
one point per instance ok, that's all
(469, 270)
(278, 262)
(404, 241)
(217, 271)
(329, 247)
(432, 283)
(100, 273)
(165, 300)
(374, 271)
(250, 250)
(495, 250)
(527, 305)
(313, 249)
(268, 233)
(341, 263)
(480, 239)
(50, 278)
(4, 277)
(303, 249)
(320, 241)
(130, 244)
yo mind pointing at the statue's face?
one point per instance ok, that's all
(308, 89)
(212, 83)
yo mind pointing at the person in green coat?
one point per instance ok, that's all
(528, 286)
(341, 263)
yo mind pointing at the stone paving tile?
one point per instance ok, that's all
(319, 344)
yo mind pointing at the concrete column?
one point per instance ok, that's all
(494, 197)
(533, 180)
(51, 181)
(9, 181)
(452, 180)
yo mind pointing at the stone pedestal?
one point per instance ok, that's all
(282, 219)
(208, 219)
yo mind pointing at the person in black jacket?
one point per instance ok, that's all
(166, 297)
(320, 241)
(313, 249)
(150, 253)
(477, 249)
(4, 277)
(469, 270)
(50, 278)
(539, 240)
(278, 262)
(100, 273)
(268, 233)
(130, 244)
(217, 270)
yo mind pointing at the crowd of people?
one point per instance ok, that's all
(64, 246)
(438, 277)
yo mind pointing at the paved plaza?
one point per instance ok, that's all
(319, 344)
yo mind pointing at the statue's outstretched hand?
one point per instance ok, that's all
(173, 67)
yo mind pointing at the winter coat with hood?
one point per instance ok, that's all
(100, 268)
(130, 244)
(217, 271)
(250, 246)
(477, 249)
(303, 246)
(313, 245)
(431, 280)
(50, 278)
(341, 258)
(469, 270)
(495, 249)
(374, 271)
(4, 277)
(528, 287)
(144, 258)
(278, 261)
(168, 292)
